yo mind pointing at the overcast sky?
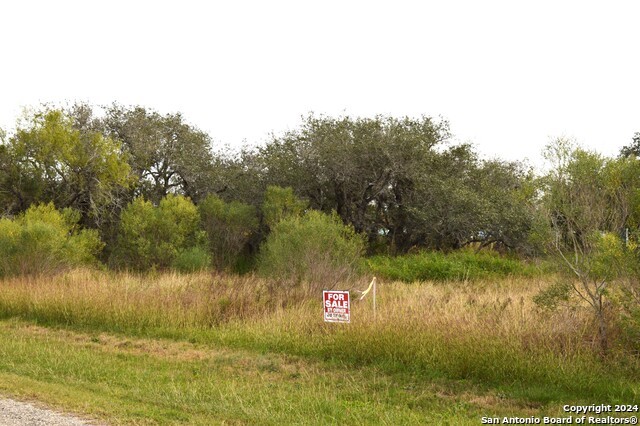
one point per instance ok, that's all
(508, 75)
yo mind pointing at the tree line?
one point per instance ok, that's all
(398, 181)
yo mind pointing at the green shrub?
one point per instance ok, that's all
(556, 293)
(315, 248)
(192, 260)
(438, 266)
(228, 227)
(152, 237)
(45, 240)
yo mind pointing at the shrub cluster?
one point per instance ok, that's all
(316, 248)
(301, 246)
(154, 237)
(44, 240)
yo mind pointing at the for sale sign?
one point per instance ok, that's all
(337, 306)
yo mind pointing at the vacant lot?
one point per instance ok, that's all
(234, 350)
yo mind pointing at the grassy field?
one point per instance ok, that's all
(210, 349)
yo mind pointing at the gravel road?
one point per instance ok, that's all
(14, 413)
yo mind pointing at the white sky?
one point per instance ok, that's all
(508, 75)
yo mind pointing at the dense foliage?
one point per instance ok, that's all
(153, 237)
(315, 248)
(398, 181)
(132, 174)
(44, 240)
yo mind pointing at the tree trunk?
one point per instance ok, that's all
(603, 336)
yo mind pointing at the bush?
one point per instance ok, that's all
(152, 237)
(228, 226)
(45, 240)
(315, 248)
(192, 260)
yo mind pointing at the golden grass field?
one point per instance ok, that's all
(484, 345)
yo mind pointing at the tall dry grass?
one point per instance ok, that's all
(502, 310)
(135, 302)
(489, 332)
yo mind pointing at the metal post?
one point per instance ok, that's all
(374, 298)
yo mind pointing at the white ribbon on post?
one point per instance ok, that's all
(364, 293)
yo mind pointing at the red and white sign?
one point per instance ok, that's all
(337, 306)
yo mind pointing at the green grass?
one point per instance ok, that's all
(466, 265)
(143, 381)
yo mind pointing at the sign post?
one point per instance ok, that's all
(337, 306)
(364, 293)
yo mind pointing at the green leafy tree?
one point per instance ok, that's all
(167, 154)
(47, 160)
(457, 199)
(357, 167)
(395, 181)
